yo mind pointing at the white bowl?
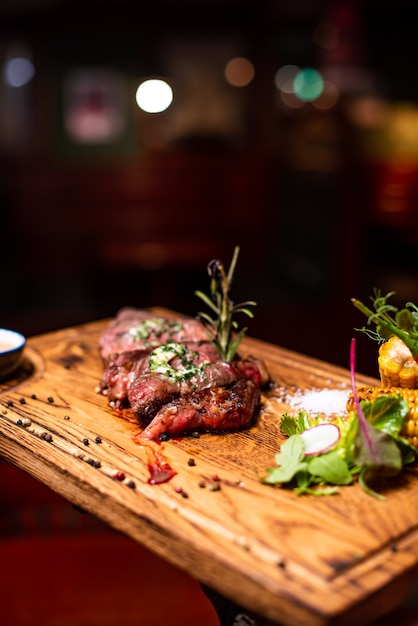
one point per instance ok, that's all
(12, 344)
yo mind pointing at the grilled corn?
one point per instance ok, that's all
(398, 330)
(410, 426)
(397, 367)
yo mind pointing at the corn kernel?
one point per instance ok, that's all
(397, 367)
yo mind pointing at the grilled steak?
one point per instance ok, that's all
(120, 371)
(134, 329)
(171, 375)
(126, 368)
(215, 409)
(149, 392)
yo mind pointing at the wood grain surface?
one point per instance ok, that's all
(297, 560)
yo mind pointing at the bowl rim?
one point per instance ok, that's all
(15, 337)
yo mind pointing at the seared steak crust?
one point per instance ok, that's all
(212, 410)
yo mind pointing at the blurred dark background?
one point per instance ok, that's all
(105, 205)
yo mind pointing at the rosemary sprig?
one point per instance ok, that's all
(225, 336)
(390, 320)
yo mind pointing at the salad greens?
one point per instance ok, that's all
(370, 447)
(380, 453)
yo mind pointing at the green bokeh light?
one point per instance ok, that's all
(308, 85)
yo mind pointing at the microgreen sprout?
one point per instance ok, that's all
(390, 320)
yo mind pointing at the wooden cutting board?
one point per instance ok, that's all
(297, 560)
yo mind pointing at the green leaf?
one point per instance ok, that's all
(386, 413)
(207, 318)
(377, 452)
(409, 454)
(405, 320)
(366, 487)
(284, 474)
(233, 345)
(331, 468)
(292, 450)
(207, 301)
(240, 309)
(291, 425)
(290, 461)
(303, 478)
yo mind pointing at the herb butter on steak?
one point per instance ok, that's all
(134, 329)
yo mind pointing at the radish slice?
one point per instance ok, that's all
(320, 438)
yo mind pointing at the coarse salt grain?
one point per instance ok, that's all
(320, 401)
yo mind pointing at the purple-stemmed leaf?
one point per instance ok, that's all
(374, 451)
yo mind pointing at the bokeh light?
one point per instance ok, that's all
(154, 96)
(368, 112)
(285, 76)
(308, 84)
(328, 98)
(239, 72)
(291, 101)
(18, 71)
